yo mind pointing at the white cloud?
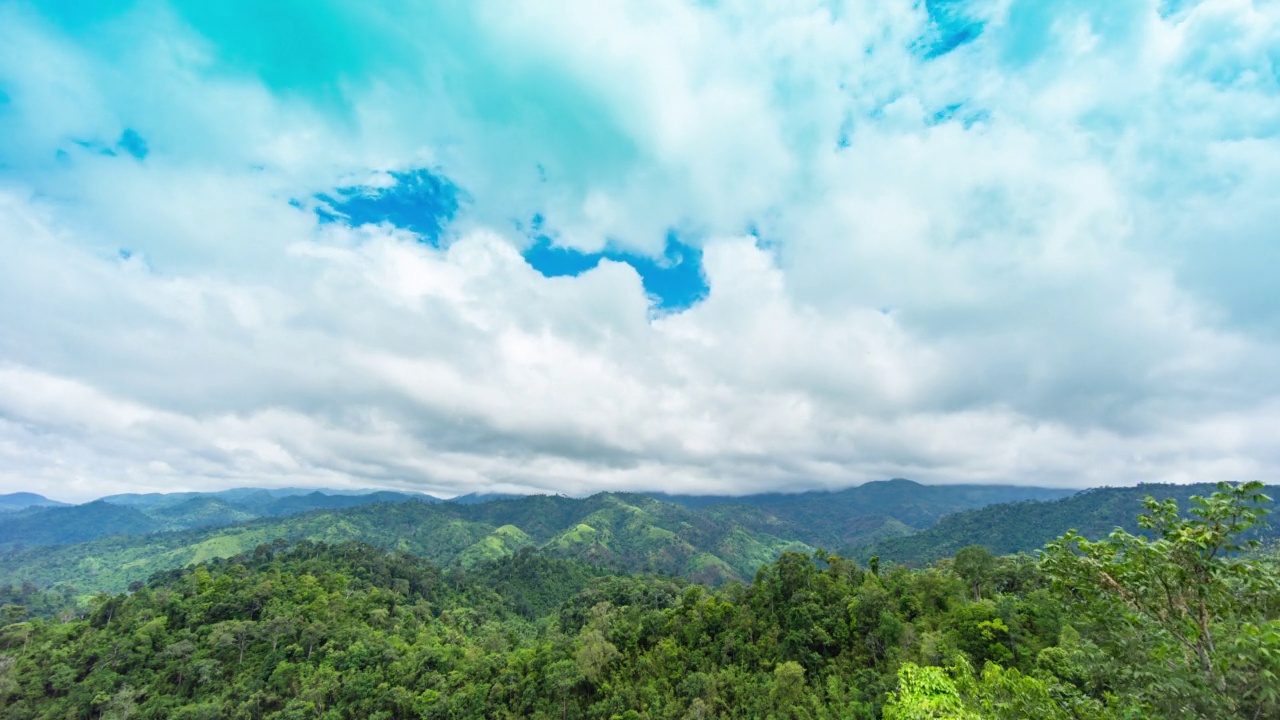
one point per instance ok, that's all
(1066, 283)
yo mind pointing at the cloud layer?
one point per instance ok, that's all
(996, 240)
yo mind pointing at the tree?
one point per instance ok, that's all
(594, 654)
(926, 693)
(789, 688)
(563, 676)
(234, 633)
(1190, 592)
(975, 564)
(123, 704)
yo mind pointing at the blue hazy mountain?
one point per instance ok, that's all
(13, 502)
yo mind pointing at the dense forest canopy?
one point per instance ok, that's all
(1180, 620)
(710, 540)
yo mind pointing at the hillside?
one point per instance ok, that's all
(628, 532)
(819, 519)
(73, 524)
(348, 631)
(141, 514)
(1026, 526)
(859, 514)
(107, 546)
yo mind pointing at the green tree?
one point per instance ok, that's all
(564, 677)
(926, 693)
(976, 565)
(1187, 598)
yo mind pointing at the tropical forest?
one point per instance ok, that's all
(1174, 613)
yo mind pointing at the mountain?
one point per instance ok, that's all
(74, 524)
(714, 539)
(1026, 526)
(314, 630)
(843, 518)
(13, 502)
(317, 500)
(630, 532)
(140, 514)
(249, 498)
(821, 519)
(106, 545)
(196, 512)
(147, 500)
(477, 498)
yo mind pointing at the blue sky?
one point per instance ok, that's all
(684, 246)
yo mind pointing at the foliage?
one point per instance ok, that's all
(626, 533)
(1092, 631)
(1027, 526)
(859, 515)
(1188, 600)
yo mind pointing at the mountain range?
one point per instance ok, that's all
(109, 543)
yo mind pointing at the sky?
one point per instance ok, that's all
(724, 246)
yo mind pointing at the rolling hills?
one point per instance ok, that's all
(157, 512)
(110, 543)
(1026, 526)
(629, 532)
(857, 515)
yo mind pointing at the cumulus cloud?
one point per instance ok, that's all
(996, 240)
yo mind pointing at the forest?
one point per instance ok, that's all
(1178, 619)
(114, 541)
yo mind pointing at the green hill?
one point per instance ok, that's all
(819, 519)
(73, 524)
(346, 631)
(859, 514)
(1026, 526)
(712, 542)
(626, 532)
(155, 512)
(196, 512)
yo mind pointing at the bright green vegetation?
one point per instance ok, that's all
(820, 519)
(1182, 622)
(504, 541)
(629, 533)
(706, 540)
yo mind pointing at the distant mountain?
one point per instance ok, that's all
(477, 498)
(196, 512)
(145, 500)
(711, 539)
(1027, 526)
(74, 524)
(13, 502)
(630, 532)
(841, 518)
(317, 500)
(139, 514)
(246, 497)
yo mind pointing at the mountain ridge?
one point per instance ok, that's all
(17, 501)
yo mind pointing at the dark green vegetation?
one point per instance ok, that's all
(1025, 526)
(41, 524)
(624, 532)
(857, 515)
(107, 544)
(1184, 623)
